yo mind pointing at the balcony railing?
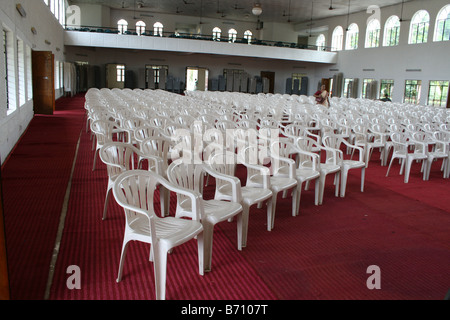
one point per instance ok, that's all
(205, 37)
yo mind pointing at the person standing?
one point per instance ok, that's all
(322, 96)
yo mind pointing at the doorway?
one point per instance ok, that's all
(115, 76)
(271, 77)
(197, 79)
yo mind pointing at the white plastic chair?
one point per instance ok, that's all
(442, 148)
(347, 164)
(401, 144)
(105, 131)
(120, 157)
(226, 164)
(134, 191)
(306, 168)
(331, 165)
(191, 176)
(279, 182)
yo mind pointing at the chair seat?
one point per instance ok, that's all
(171, 230)
(305, 174)
(276, 183)
(250, 195)
(353, 164)
(329, 168)
(217, 211)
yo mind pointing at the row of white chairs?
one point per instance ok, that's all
(143, 122)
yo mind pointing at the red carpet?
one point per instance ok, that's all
(35, 179)
(321, 255)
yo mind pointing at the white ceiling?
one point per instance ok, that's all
(294, 11)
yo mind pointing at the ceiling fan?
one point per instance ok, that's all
(235, 7)
(185, 2)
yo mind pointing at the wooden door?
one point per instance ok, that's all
(43, 82)
(271, 76)
(4, 282)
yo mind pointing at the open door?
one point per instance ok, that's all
(4, 279)
(197, 79)
(43, 82)
(271, 77)
(115, 76)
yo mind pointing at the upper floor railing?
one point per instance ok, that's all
(206, 37)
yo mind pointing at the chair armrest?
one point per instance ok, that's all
(351, 146)
(234, 181)
(155, 160)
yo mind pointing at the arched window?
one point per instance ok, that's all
(158, 29)
(352, 37)
(442, 29)
(337, 39)
(140, 27)
(217, 33)
(420, 23)
(248, 36)
(122, 25)
(373, 34)
(232, 35)
(391, 31)
(321, 42)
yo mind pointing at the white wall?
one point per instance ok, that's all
(14, 123)
(430, 58)
(136, 60)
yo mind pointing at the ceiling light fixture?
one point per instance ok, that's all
(257, 10)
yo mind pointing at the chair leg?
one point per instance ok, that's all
(407, 169)
(299, 196)
(363, 178)
(122, 259)
(244, 228)
(344, 181)
(201, 253)
(322, 188)
(338, 180)
(240, 230)
(95, 159)
(271, 223)
(269, 214)
(208, 233)
(316, 191)
(105, 207)
(160, 269)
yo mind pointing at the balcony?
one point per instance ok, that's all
(108, 38)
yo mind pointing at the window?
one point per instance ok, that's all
(122, 25)
(158, 29)
(217, 33)
(337, 39)
(321, 42)
(438, 93)
(140, 28)
(373, 34)
(348, 88)
(232, 35)
(10, 73)
(369, 89)
(156, 71)
(58, 9)
(392, 32)
(352, 37)
(442, 30)
(29, 74)
(248, 36)
(120, 73)
(412, 91)
(386, 88)
(21, 72)
(419, 27)
(299, 77)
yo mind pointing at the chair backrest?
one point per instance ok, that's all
(104, 130)
(118, 157)
(186, 175)
(135, 191)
